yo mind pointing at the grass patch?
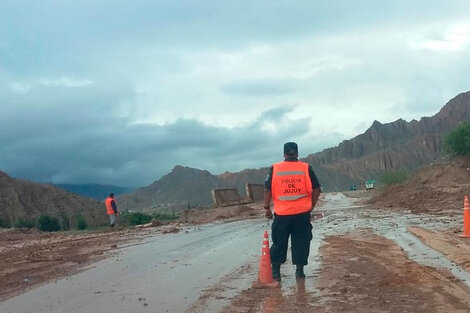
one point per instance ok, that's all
(391, 177)
(5, 223)
(24, 223)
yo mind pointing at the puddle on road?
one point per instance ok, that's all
(340, 218)
(342, 215)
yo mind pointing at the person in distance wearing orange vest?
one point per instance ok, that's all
(111, 209)
(294, 189)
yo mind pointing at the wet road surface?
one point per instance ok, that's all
(166, 273)
(365, 260)
(211, 268)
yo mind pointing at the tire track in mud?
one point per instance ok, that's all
(360, 262)
(365, 272)
(362, 272)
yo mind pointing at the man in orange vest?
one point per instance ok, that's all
(295, 189)
(111, 209)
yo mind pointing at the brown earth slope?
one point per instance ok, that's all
(27, 200)
(437, 189)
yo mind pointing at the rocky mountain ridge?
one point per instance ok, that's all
(396, 145)
(390, 146)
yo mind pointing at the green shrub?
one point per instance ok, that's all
(48, 223)
(81, 222)
(5, 223)
(24, 223)
(137, 218)
(457, 140)
(166, 216)
(390, 177)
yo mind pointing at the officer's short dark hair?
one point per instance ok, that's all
(290, 148)
(111, 194)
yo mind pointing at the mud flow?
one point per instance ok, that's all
(368, 260)
(362, 259)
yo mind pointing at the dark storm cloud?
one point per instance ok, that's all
(118, 92)
(82, 140)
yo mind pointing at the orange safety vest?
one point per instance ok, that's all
(109, 207)
(291, 188)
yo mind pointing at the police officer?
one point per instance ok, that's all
(111, 209)
(294, 189)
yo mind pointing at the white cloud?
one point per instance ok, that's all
(65, 82)
(25, 87)
(455, 38)
(20, 88)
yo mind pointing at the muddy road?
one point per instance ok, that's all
(163, 273)
(361, 260)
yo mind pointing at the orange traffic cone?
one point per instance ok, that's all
(466, 218)
(265, 275)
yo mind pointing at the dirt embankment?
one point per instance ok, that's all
(434, 189)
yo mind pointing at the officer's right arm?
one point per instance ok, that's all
(315, 196)
(268, 194)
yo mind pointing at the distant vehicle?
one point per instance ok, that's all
(370, 184)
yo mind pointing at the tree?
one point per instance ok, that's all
(457, 140)
(81, 222)
(48, 223)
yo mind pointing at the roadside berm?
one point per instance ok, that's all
(434, 189)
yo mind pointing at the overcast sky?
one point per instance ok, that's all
(118, 92)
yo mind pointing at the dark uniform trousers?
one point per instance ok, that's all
(299, 228)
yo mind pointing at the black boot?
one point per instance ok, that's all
(276, 268)
(299, 272)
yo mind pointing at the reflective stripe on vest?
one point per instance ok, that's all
(291, 188)
(287, 198)
(291, 173)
